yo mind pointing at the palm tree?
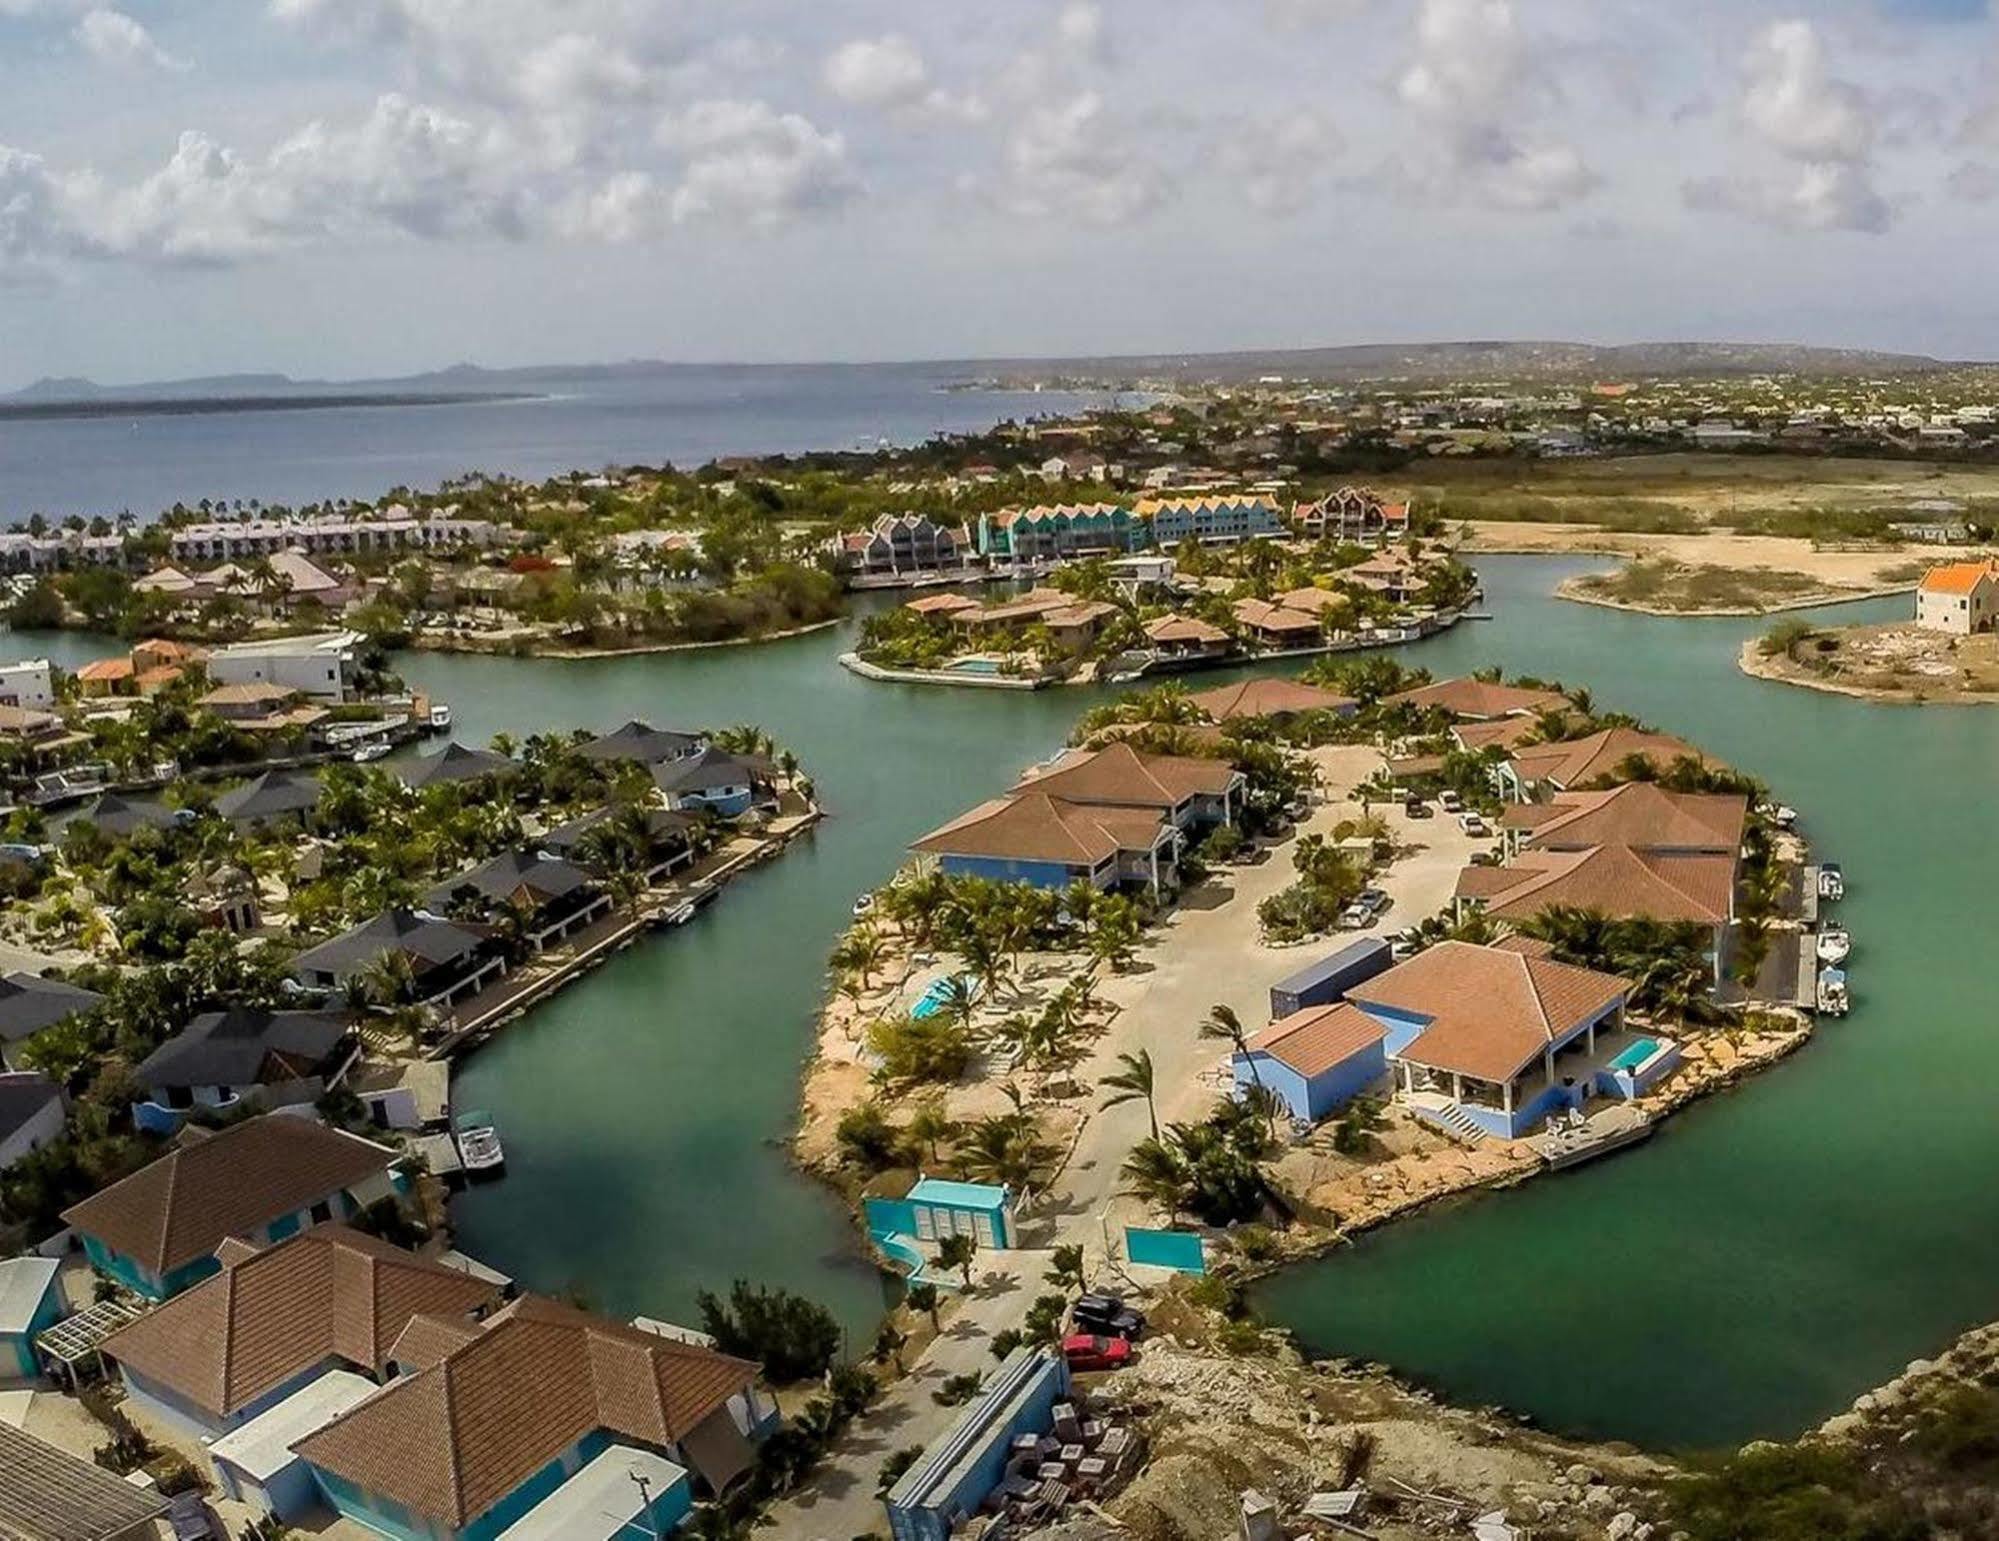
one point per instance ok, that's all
(1223, 1023)
(1133, 1082)
(390, 978)
(1157, 1174)
(930, 1123)
(958, 1251)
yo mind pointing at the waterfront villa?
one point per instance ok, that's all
(1491, 1040)
(488, 1431)
(715, 781)
(120, 818)
(668, 838)
(644, 744)
(1636, 814)
(275, 1319)
(1276, 626)
(156, 1232)
(1050, 843)
(1213, 521)
(1316, 1060)
(31, 1301)
(1959, 598)
(447, 961)
(553, 897)
(1180, 638)
(32, 1113)
(1596, 760)
(1186, 791)
(1619, 882)
(1475, 700)
(276, 797)
(29, 1004)
(320, 665)
(1280, 700)
(456, 765)
(223, 1059)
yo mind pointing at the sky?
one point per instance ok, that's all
(366, 187)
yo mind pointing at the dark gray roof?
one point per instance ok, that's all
(47, 1494)
(642, 742)
(661, 823)
(28, 1004)
(709, 769)
(245, 1046)
(122, 817)
(22, 1095)
(550, 877)
(274, 795)
(428, 943)
(456, 763)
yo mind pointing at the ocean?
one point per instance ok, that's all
(143, 464)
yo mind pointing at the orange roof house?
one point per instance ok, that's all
(1960, 598)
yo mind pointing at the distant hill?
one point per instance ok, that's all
(1469, 361)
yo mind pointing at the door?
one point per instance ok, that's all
(982, 1228)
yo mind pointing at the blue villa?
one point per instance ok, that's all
(526, 1428)
(960, 1469)
(1315, 1060)
(715, 781)
(157, 1231)
(31, 1300)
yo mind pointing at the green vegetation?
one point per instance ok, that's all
(1209, 1169)
(793, 1338)
(1328, 880)
(1659, 583)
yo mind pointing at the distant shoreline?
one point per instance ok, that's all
(200, 406)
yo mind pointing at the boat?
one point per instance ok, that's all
(1832, 882)
(479, 1148)
(863, 904)
(368, 752)
(1784, 816)
(1832, 997)
(440, 716)
(1833, 944)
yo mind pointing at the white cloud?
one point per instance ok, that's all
(1277, 162)
(1478, 82)
(889, 73)
(115, 38)
(1822, 131)
(1064, 161)
(746, 162)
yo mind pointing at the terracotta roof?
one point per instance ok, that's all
(1490, 1012)
(1316, 1039)
(1576, 762)
(1053, 511)
(942, 604)
(1269, 697)
(180, 1207)
(329, 1292)
(427, 1339)
(1637, 814)
(1184, 628)
(1269, 617)
(105, 669)
(1613, 880)
(1079, 615)
(1480, 699)
(1121, 776)
(1959, 577)
(453, 1440)
(248, 693)
(1500, 733)
(1312, 601)
(1036, 827)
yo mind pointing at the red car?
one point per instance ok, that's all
(1085, 1351)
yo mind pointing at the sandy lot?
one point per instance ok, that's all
(1856, 570)
(1888, 663)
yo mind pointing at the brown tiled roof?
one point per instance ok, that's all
(1480, 699)
(1268, 617)
(1491, 1012)
(181, 1207)
(1577, 762)
(106, 669)
(1269, 697)
(427, 1339)
(1080, 614)
(1036, 827)
(1636, 814)
(328, 1293)
(1184, 628)
(1613, 880)
(452, 1440)
(248, 693)
(1121, 776)
(942, 604)
(1499, 733)
(1312, 601)
(1316, 1039)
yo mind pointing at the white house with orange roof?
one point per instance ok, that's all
(1960, 598)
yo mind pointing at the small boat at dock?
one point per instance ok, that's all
(863, 904)
(1832, 997)
(479, 1148)
(1832, 882)
(440, 716)
(1834, 944)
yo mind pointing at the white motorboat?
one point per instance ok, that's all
(440, 716)
(479, 1148)
(1833, 945)
(1832, 882)
(1784, 816)
(863, 904)
(369, 752)
(1832, 997)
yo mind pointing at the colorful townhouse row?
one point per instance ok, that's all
(318, 1367)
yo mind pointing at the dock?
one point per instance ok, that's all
(440, 1154)
(1808, 972)
(1612, 1129)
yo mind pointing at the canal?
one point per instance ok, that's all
(1774, 1251)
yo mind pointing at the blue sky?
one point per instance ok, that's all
(369, 186)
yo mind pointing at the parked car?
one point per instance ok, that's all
(1450, 802)
(1416, 808)
(1406, 945)
(1473, 824)
(1485, 858)
(1356, 917)
(1376, 900)
(1108, 1316)
(1088, 1351)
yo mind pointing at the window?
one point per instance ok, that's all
(322, 1212)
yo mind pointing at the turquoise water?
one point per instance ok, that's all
(933, 999)
(975, 666)
(1636, 1054)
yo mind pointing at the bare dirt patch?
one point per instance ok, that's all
(1891, 663)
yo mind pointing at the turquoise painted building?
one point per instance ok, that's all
(908, 1229)
(31, 1301)
(1043, 534)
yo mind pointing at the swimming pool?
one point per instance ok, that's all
(934, 998)
(976, 666)
(1636, 1055)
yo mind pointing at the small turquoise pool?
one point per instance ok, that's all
(976, 666)
(935, 997)
(1636, 1055)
